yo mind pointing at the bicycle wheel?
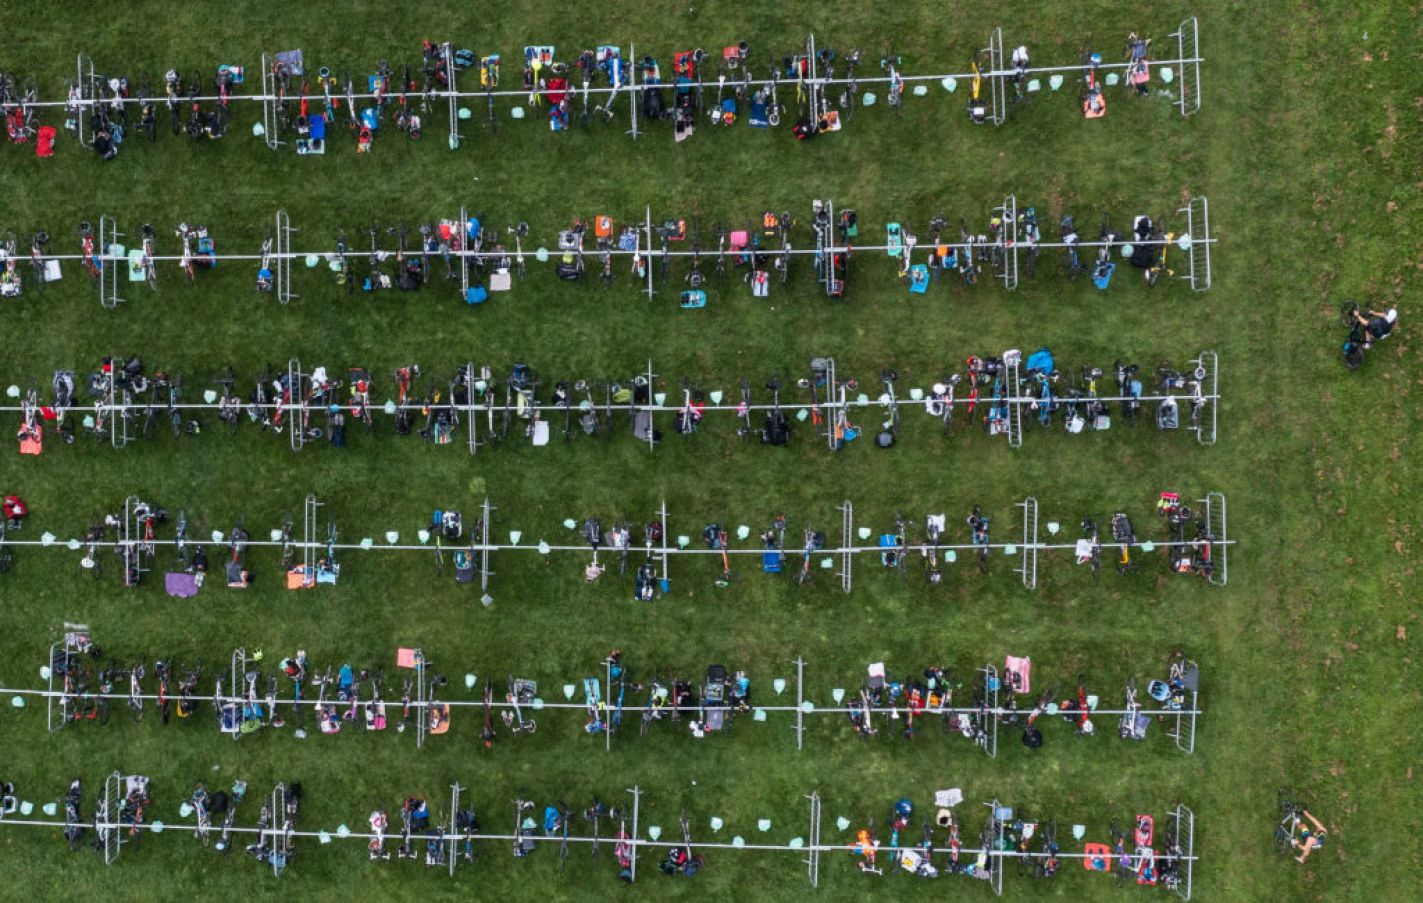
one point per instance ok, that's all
(1283, 837)
(136, 710)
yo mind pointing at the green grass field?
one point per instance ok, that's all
(1307, 147)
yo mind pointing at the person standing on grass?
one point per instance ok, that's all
(1310, 839)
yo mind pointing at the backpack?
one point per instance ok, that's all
(1041, 360)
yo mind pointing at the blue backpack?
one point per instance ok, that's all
(1041, 360)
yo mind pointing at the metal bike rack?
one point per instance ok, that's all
(310, 536)
(106, 817)
(633, 838)
(118, 407)
(847, 544)
(455, 791)
(486, 535)
(422, 710)
(997, 78)
(70, 649)
(1015, 403)
(1183, 830)
(269, 105)
(295, 409)
(1008, 242)
(106, 246)
(1028, 566)
(84, 82)
(236, 687)
(647, 233)
(832, 404)
(813, 83)
(799, 727)
(1209, 361)
(825, 250)
(665, 557)
(1188, 37)
(988, 720)
(283, 258)
(471, 420)
(1198, 246)
(1214, 503)
(652, 405)
(459, 249)
(1184, 733)
(280, 829)
(452, 94)
(131, 544)
(995, 856)
(634, 101)
(812, 861)
(49, 689)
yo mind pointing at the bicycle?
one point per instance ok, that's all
(150, 267)
(161, 670)
(978, 527)
(185, 232)
(173, 89)
(39, 243)
(88, 247)
(147, 122)
(1291, 814)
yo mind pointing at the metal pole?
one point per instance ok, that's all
(607, 699)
